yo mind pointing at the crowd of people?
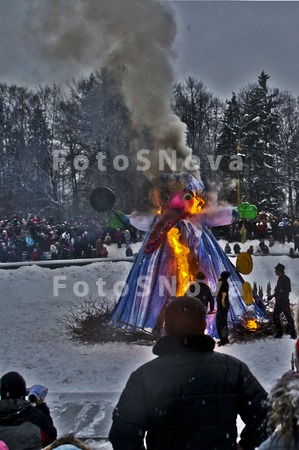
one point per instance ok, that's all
(262, 248)
(264, 227)
(36, 239)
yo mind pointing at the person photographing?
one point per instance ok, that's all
(22, 425)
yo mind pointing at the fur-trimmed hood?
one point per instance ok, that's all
(284, 405)
(69, 439)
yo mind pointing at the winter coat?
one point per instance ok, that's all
(189, 398)
(202, 292)
(23, 426)
(101, 250)
(283, 288)
(237, 249)
(223, 287)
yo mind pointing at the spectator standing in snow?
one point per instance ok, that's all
(263, 248)
(20, 421)
(250, 250)
(107, 239)
(129, 251)
(271, 241)
(282, 302)
(284, 414)
(189, 397)
(127, 236)
(101, 250)
(200, 290)
(54, 251)
(243, 233)
(118, 237)
(227, 248)
(222, 299)
(237, 248)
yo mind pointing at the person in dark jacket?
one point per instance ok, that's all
(237, 248)
(190, 396)
(282, 302)
(200, 290)
(22, 425)
(222, 298)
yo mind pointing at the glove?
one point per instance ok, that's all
(37, 392)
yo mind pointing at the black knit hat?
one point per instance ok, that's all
(200, 276)
(12, 385)
(224, 275)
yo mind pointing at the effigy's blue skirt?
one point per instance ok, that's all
(152, 281)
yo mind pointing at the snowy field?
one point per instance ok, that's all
(85, 380)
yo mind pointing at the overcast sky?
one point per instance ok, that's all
(226, 44)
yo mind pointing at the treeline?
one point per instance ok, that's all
(57, 145)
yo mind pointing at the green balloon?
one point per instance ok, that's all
(115, 221)
(247, 211)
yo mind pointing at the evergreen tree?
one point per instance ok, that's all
(227, 150)
(259, 141)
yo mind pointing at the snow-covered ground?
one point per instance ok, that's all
(82, 378)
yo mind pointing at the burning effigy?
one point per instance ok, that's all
(179, 242)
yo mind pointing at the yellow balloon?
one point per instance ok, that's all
(247, 293)
(244, 263)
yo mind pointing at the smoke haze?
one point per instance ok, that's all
(133, 39)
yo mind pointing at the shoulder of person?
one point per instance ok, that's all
(285, 278)
(14, 406)
(40, 416)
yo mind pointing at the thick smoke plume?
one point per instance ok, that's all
(134, 40)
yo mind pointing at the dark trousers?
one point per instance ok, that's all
(221, 323)
(283, 306)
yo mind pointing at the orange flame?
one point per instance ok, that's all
(197, 205)
(251, 325)
(181, 252)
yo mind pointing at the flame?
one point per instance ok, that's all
(197, 205)
(251, 325)
(155, 197)
(181, 252)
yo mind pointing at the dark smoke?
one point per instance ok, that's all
(133, 39)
